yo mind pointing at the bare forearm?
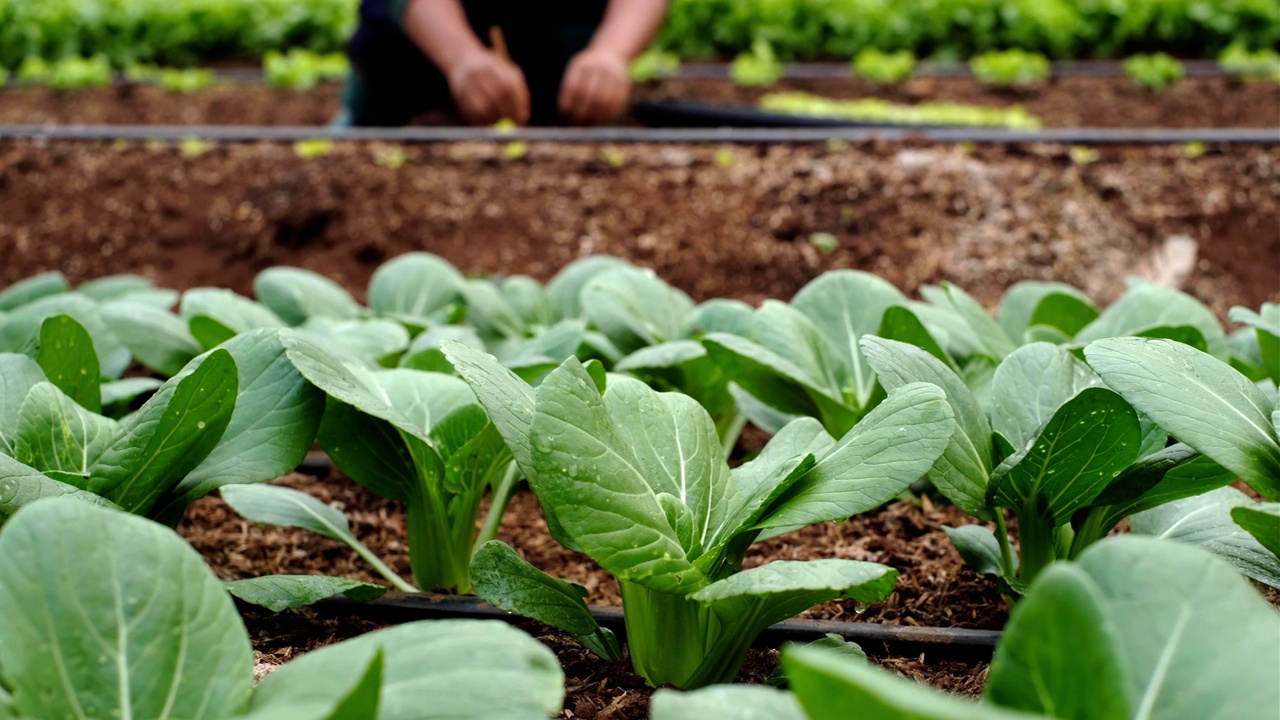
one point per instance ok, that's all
(440, 29)
(628, 27)
(485, 85)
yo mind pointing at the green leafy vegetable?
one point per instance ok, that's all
(728, 702)
(285, 507)
(1157, 71)
(1120, 634)
(635, 479)
(1198, 399)
(419, 438)
(282, 592)
(295, 295)
(1209, 521)
(508, 582)
(654, 64)
(804, 358)
(1010, 67)
(65, 353)
(146, 630)
(883, 67)
(1070, 458)
(757, 66)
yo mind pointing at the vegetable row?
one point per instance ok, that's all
(619, 399)
(303, 70)
(185, 32)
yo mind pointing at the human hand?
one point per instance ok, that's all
(488, 88)
(596, 88)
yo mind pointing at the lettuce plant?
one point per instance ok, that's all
(884, 67)
(654, 64)
(237, 414)
(147, 631)
(1122, 633)
(1067, 456)
(634, 479)
(1257, 65)
(302, 70)
(1157, 71)
(756, 67)
(1010, 68)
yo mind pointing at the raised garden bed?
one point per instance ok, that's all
(1066, 101)
(744, 222)
(717, 222)
(936, 588)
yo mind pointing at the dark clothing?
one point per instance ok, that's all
(392, 80)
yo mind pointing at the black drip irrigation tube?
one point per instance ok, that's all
(875, 639)
(735, 135)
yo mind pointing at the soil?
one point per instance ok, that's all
(1069, 101)
(935, 587)
(715, 221)
(128, 104)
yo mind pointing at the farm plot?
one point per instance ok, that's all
(1067, 101)
(678, 420)
(900, 410)
(737, 222)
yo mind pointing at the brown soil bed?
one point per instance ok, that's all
(715, 221)
(729, 221)
(934, 588)
(1071, 101)
(147, 105)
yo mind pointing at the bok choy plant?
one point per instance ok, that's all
(635, 479)
(1200, 400)
(237, 414)
(25, 306)
(1121, 634)
(1255, 348)
(654, 329)
(803, 359)
(599, 307)
(1212, 407)
(419, 438)
(1067, 456)
(147, 631)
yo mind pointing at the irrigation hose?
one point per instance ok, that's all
(876, 639)
(234, 133)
